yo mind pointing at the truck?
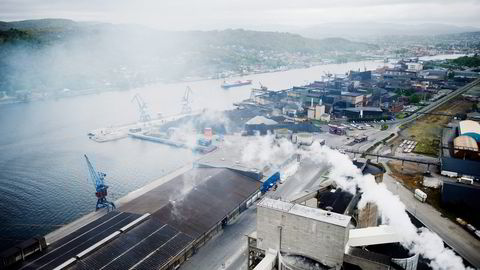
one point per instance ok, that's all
(420, 195)
(359, 139)
(465, 180)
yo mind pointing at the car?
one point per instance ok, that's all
(471, 228)
(461, 221)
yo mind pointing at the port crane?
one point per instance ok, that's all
(186, 101)
(142, 107)
(98, 179)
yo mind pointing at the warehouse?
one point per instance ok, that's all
(453, 167)
(363, 112)
(158, 229)
(312, 238)
(470, 128)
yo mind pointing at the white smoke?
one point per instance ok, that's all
(350, 178)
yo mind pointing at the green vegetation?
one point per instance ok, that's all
(467, 61)
(401, 115)
(384, 127)
(427, 147)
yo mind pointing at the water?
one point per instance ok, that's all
(43, 177)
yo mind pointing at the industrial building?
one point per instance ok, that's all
(454, 167)
(161, 227)
(465, 147)
(323, 228)
(295, 236)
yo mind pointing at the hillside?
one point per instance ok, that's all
(53, 54)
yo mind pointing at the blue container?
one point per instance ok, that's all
(270, 182)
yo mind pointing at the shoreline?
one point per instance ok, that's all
(88, 92)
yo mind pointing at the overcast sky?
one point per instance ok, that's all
(210, 14)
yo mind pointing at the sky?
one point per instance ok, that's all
(220, 14)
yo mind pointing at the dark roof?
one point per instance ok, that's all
(338, 200)
(369, 168)
(465, 167)
(196, 200)
(351, 94)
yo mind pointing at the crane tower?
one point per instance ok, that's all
(98, 179)
(186, 101)
(142, 107)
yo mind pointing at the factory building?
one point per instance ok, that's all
(363, 112)
(294, 236)
(157, 229)
(454, 167)
(465, 147)
(302, 230)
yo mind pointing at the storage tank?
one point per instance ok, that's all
(304, 138)
(282, 133)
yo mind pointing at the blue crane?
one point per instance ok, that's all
(98, 179)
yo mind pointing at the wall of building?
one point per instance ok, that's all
(367, 216)
(320, 241)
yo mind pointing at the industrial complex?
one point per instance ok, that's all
(303, 218)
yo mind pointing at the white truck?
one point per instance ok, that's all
(420, 195)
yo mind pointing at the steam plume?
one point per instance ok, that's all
(349, 177)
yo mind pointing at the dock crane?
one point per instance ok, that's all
(98, 179)
(142, 107)
(186, 101)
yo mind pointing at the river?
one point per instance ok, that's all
(43, 177)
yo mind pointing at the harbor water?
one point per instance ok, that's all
(43, 176)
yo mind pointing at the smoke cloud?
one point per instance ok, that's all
(350, 178)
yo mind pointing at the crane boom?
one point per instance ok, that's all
(98, 180)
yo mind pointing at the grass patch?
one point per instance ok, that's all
(427, 147)
(384, 127)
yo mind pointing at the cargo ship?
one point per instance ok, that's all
(226, 85)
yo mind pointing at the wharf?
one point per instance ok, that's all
(121, 131)
(156, 227)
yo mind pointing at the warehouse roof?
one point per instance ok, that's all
(470, 128)
(366, 109)
(196, 200)
(259, 120)
(305, 211)
(465, 143)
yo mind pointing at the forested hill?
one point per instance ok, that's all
(57, 53)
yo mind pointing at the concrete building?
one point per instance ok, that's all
(301, 230)
(318, 113)
(296, 237)
(352, 99)
(414, 67)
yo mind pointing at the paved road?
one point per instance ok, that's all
(227, 250)
(455, 236)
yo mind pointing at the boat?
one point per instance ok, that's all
(226, 85)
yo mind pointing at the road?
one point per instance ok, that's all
(227, 250)
(455, 236)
